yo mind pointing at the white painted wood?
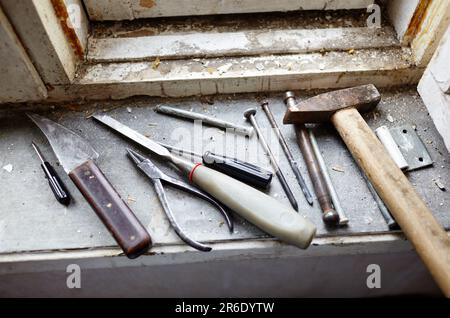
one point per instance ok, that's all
(426, 33)
(99, 10)
(182, 254)
(438, 105)
(434, 88)
(238, 43)
(19, 81)
(440, 65)
(135, 9)
(176, 78)
(273, 270)
(400, 13)
(78, 20)
(41, 33)
(431, 30)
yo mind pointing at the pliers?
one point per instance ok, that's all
(158, 177)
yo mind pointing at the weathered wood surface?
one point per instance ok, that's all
(19, 80)
(134, 9)
(179, 46)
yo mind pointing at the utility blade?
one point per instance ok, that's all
(71, 149)
(134, 135)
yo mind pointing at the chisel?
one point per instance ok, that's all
(255, 206)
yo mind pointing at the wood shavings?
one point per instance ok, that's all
(338, 169)
(156, 63)
(351, 51)
(9, 168)
(440, 185)
(130, 199)
(207, 100)
(375, 115)
(260, 67)
(224, 68)
(89, 113)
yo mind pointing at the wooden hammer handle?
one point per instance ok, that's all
(417, 222)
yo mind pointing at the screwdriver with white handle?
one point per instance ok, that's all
(255, 206)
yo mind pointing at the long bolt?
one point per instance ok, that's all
(172, 111)
(250, 116)
(343, 219)
(287, 152)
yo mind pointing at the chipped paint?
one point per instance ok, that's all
(137, 9)
(245, 43)
(417, 20)
(433, 27)
(180, 78)
(147, 3)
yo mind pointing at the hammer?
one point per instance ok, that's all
(342, 108)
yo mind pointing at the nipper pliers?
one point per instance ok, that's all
(158, 177)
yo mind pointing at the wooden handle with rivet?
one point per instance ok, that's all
(115, 214)
(417, 222)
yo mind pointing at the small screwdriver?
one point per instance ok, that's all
(233, 167)
(57, 186)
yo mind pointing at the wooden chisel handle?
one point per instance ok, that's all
(126, 229)
(430, 240)
(255, 206)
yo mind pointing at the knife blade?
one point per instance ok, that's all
(77, 157)
(134, 135)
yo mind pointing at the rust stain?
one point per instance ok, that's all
(147, 3)
(72, 37)
(417, 19)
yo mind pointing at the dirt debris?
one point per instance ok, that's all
(156, 63)
(338, 169)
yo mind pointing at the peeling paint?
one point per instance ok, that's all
(147, 3)
(417, 20)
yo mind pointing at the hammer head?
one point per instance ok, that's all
(321, 107)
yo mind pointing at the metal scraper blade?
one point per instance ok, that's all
(70, 149)
(412, 147)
